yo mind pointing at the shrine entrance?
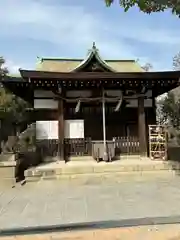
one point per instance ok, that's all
(105, 127)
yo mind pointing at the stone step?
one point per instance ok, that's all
(104, 177)
(7, 171)
(81, 158)
(90, 158)
(94, 170)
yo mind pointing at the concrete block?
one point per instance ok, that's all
(7, 172)
(49, 172)
(28, 173)
(107, 168)
(58, 171)
(147, 167)
(33, 179)
(8, 181)
(77, 170)
(52, 177)
(81, 158)
(137, 168)
(63, 177)
(37, 173)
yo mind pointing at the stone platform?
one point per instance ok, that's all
(91, 169)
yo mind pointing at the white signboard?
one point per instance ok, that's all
(45, 104)
(46, 130)
(49, 129)
(74, 129)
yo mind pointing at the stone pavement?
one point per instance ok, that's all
(128, 203)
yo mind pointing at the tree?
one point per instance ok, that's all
(160, 116)
(176, 62)
(149, 6)
(147, 67)
(5, 98)
(171, 109)
(176, 67)
(170, 106)
(3, 70)
(10, 105)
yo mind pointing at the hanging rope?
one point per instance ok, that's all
(82, 99)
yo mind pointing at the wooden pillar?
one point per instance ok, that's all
(60, 130)
(142, 127)
(154, 108)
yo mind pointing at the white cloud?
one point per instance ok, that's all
(76, 27)
(149, 33)
(12, 67)
(71, 26)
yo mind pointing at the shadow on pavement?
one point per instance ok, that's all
(92, 225)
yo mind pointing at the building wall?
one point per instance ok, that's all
(121, 123)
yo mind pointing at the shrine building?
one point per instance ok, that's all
(92, 107)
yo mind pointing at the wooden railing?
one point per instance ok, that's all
(126, 145)
(49, 147)
(83, 147)
(78, 147)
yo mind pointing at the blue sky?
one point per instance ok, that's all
(67, 28)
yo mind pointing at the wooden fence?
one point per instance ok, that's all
(78, 147)
(49, 147)
(83, 147)
(126, 145)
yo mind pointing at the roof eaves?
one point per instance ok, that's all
(11, 79)
(16, 75)
(168, 75)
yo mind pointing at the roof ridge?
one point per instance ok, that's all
(81, 59)
(94, 50)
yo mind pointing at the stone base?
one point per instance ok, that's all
(7, 157)
(91, 169)
(7, 171)
(81, 158)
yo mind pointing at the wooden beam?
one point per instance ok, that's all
(142, 127)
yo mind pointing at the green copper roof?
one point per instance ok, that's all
(71, 64)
